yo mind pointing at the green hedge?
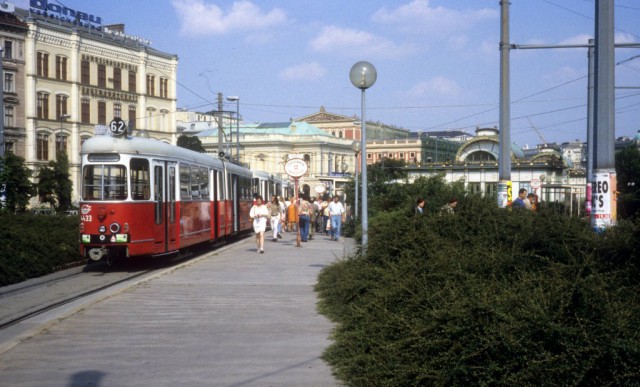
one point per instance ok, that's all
(35, 245)
(486, 297)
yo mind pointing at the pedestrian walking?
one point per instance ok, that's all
(259, 213)
(529, 202)
(419, 209)
(292, 216)
(283, 216)
(304, 216)
(313, 226)
(448, 209)
(336, 216)
(324, 208)
(519, 202)
(274, 216)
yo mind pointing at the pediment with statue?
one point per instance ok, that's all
(323, 116)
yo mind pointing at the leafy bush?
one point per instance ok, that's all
(486, 296)
(35, 245)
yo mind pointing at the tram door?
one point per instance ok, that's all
(236, 203)
(164, 206)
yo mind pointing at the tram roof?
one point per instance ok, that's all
(145, 147)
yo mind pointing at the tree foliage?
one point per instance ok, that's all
(54, 184)
(34, 245)
(628, 180)
(15, 183)
(190, 142)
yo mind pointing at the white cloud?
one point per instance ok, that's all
(622, 37)
(307, 71)
(619, 37)
(564, 74)
(419, 16)
(578, 39)
(357, 42)
(200, 19)
(436, 87)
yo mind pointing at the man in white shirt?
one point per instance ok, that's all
(336, 211)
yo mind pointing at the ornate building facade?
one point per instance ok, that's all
(79, 75)
(268, 146)
(476, 166)
(12, 35)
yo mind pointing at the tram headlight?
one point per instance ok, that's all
(102, 229)
(114, 228)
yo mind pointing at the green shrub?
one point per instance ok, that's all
(486, 296)
(34, 245)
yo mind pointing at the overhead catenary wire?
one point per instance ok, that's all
(256, 106)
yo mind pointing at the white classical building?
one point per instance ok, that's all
(267, 146)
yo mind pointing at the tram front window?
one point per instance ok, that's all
(140, 179)
(104, 182)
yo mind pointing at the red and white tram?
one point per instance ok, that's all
(145, 197)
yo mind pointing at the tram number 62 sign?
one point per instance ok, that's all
(295, 167)
(117, 126)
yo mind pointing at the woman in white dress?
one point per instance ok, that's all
(259, 213)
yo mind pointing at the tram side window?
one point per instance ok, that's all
(195, 184)
(245, 188)
(204, 183)
(185, 185)
(140, 182)
(255, 186)
(104, 182)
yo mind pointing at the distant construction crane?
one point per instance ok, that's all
(544, 142)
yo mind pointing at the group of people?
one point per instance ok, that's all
(528, 201)
(446, 209)
(307, 215)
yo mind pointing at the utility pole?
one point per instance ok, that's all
(604, 211)
(220, 134)
(590, 125)
(592, 198)
(504, 154)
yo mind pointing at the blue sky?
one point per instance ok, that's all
(437, 61)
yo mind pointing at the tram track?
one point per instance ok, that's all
(29, 308)
(54, 305)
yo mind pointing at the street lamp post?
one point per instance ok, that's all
(237, 99)
(363, 75)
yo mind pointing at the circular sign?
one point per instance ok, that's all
(535, 183)
(319, 188)
(117, 126)
(295, 167)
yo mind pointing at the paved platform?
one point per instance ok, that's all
(231, 318)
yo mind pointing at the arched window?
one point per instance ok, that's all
(307, 159)
(480, 156)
